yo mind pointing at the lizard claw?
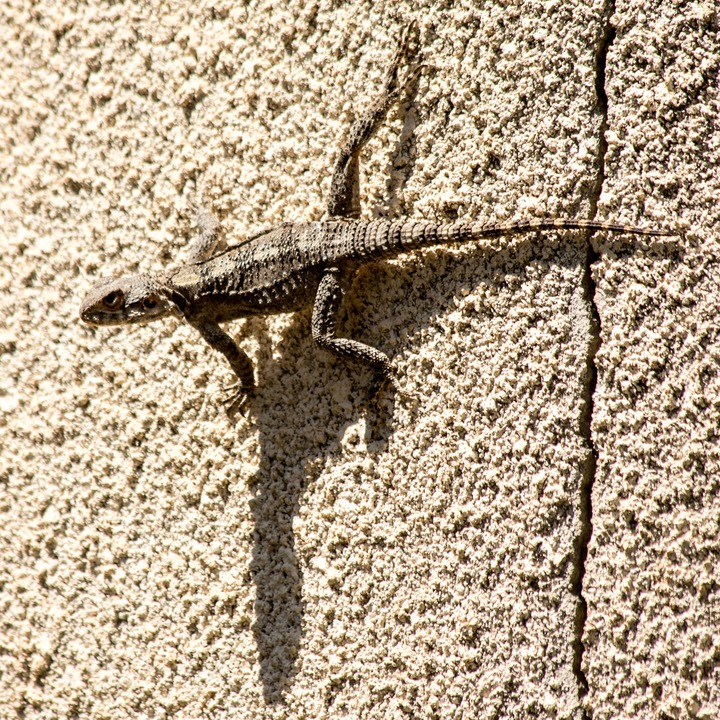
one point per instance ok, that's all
(236, 398)
(407, 35)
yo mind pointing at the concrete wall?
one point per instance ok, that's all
(530, 538)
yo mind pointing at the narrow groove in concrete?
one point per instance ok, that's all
(588, 480)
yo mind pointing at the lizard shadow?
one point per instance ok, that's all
(299, 428)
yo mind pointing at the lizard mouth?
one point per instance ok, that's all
(98, 318)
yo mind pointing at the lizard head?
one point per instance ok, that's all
(125, 300)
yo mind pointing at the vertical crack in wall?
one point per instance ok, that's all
(588, 479)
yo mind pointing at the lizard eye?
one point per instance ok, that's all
(150, 302)
(113, 300)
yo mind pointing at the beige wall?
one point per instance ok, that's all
(327, 556)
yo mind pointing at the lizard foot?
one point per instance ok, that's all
(382, 382)
(236, 397)
(394, 86)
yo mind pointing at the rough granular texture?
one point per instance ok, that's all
(651, 579)
(330, 556)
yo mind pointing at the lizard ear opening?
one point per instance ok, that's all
(178, 300)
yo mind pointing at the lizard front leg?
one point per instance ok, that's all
(328, 298)
(218, 339)
(208, 242)
(345, 185)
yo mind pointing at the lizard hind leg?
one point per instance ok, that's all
(344, 198)
(329, 296)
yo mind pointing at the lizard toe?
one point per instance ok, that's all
(235, 398)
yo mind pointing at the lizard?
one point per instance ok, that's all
(297, 265)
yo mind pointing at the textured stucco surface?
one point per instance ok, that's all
(652, 575)
(327, 556)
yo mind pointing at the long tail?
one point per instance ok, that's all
(390, 238)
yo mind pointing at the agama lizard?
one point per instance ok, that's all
(298, 264)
